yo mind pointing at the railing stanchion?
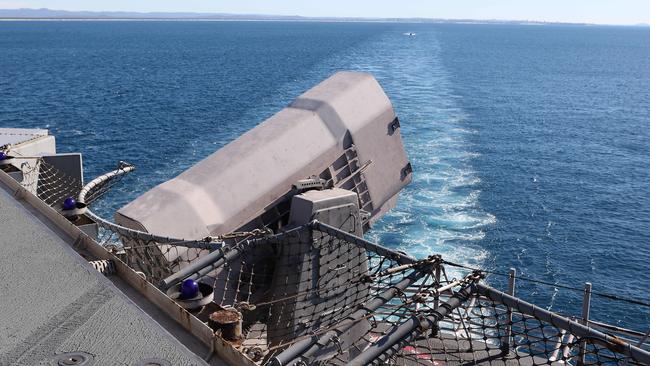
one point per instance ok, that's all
(436, 298)
(506, 341)
(644, 338)
(586, 305)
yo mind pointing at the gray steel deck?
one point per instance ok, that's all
(52, 302)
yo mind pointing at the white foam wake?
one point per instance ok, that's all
(439, 211)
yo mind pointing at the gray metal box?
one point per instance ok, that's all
(334, 263)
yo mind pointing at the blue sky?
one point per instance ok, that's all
(591, 11)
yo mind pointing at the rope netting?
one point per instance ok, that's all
(480, 325)
(318, 295)
(154, 256)
(299, 283)
(50, 184)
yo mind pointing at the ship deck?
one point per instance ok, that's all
(55, 305)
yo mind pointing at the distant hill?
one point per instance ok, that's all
(64, 14)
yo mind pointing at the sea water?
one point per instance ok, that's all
(529, 143)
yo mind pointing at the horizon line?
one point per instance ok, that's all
(208, 16)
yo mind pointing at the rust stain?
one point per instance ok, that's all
(184, 318)
(225, 317)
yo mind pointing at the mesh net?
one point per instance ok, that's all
(50, 184)
(295, 285)
(318, 295)
(486, 326)
(154, 257)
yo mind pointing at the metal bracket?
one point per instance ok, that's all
(393, 126)
(408, 169)
(365, 215)
(311, 183)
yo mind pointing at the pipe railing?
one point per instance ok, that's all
(579, 330)
(411, 328)
(308, 346)
(104, 179)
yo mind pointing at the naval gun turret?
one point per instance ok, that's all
(343, 133)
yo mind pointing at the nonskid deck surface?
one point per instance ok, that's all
(54, 304)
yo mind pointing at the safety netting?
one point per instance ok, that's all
(315, 294)
(46, 181)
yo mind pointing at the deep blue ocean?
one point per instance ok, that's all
(530, 144)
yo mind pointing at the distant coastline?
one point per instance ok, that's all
(63, 15)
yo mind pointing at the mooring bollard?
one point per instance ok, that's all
(228, 322)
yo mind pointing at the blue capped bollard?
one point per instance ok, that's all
(75, 212)
(69, 204)
(5, 159)
(189, 289)
(191, 294)
(72, 209)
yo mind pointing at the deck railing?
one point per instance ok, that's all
(319, 295)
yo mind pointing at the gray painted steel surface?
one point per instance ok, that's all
(53, 302)
(236, 184)
(17, 136)
(304, 314)
(27, 142)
